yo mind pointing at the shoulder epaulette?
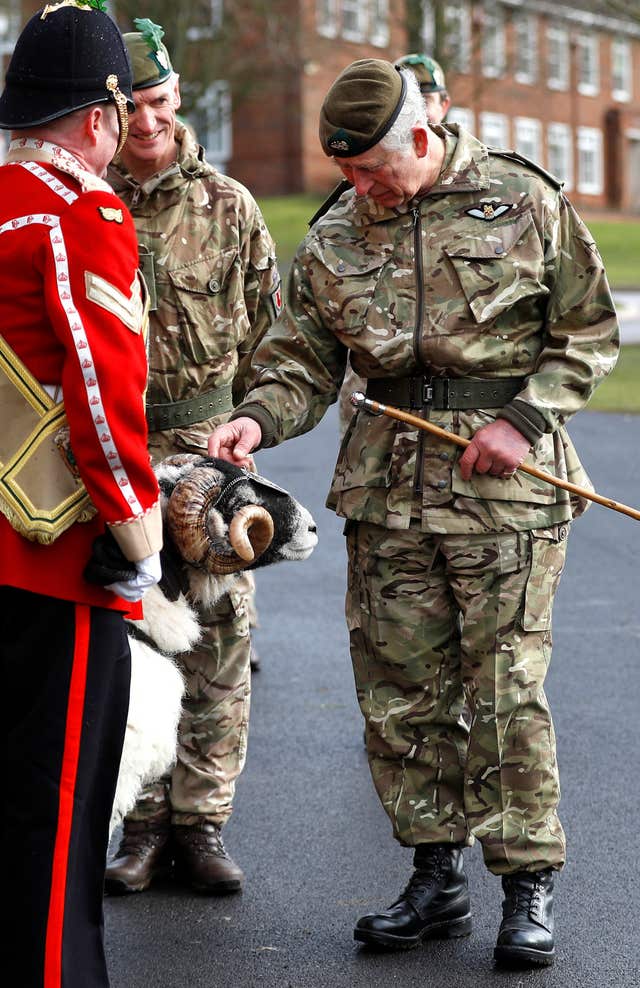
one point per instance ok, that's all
(341, 187)
(528, 163)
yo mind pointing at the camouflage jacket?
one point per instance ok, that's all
(214, 275)
(491, 274)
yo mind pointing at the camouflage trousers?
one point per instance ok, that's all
(212, 736)
(451, 641)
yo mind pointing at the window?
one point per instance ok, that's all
(557, 57)
(327, 17)
(589, 160)
(587, 55)
(206, 19)
(211, 120)
(493, 46)
(528, 137)
(10, 22)
(560, 152)
(428, 27)
(379, 23)
(494, 129)
(621, 70)
(457, 41)
(462, 116)
(525, 59)
(354, 20)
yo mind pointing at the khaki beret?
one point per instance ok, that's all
(149, 58)
(361, 107)
(426, 70)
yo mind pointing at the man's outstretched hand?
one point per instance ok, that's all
(234, 441)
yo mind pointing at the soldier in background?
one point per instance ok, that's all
(73, 356)
(210, 267)
(437, 102)
(463, 286)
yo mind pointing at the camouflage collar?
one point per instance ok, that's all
(465, 169)
(466, 162)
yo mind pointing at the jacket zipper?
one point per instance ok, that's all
(417, 249)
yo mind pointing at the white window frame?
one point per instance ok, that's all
(558, 67)
(499, 124)
(327, 18)
(560, 152)
(494, 59)
(379, 23)
(457, 19)
(525, 32)
(428, 27)
(590, 175)
(527, 137)
(358, 10)
(10, 23)
(215, 105)
(621, 70)
(588, 58)
(461, 115)
(209, 30)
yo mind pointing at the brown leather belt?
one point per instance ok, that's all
(444, 392)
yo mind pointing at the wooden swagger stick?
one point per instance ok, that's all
(377, 408)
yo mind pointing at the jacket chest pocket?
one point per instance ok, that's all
(500, 270)
(210, 305)
(345, 284)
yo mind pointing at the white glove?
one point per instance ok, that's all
(148, 573)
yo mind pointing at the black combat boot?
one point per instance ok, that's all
(203, 861)
(143, 854)
(526, 931)
(435, 903)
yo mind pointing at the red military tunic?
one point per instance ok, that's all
(70, 308)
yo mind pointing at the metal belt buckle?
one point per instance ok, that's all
(427, 392)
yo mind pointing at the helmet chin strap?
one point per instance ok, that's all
(121, 107)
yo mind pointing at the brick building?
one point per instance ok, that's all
(559, 81)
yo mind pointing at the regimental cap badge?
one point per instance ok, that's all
(79, 4)
(340, 141)
(149, 57)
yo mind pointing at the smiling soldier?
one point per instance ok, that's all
(210, 267)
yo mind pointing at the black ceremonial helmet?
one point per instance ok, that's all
(68, 56)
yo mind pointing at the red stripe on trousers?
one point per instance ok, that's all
(68, 775)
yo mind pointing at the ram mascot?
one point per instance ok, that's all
(218, 520)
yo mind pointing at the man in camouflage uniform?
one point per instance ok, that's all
(437, 102)
(463, 286)
(209, 263)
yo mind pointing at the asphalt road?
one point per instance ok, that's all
(308, 830)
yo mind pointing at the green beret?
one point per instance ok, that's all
(361, 107)
(426, 70)
(149, 57)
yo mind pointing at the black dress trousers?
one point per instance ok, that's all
(65, 678)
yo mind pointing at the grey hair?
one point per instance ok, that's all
(412, 114)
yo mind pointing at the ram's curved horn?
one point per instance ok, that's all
(188, 510)
(251, 531)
